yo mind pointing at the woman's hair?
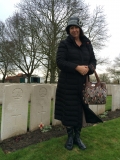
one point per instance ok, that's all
(81, 32)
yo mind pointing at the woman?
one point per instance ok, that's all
(74, 58)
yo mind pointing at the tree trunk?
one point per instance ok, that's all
(4, 75)
(28, 76)
(3, 78)
(52, 77)
(46, 78)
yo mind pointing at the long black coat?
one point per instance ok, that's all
(69, 105)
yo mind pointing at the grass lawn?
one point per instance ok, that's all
(108, 103)
(102, 141)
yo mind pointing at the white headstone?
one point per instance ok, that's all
(40, 105)
(109, 90)
(14, 111)
(1, 91)
(115, 97)
(94, 108)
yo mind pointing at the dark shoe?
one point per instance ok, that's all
(77, 139)
(69, 143)
(79, 143)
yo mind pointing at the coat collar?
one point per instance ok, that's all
(84, 39)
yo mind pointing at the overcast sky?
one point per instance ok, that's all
(7, 7)
(111, 10)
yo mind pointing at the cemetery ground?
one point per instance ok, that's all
(102, 141)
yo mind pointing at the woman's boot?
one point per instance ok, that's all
(69, 143)
(77, 139)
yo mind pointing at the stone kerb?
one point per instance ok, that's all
(94, 108)
(101, 109)
(40, 105)
(115, 97)
(14, 111)
(97, 109)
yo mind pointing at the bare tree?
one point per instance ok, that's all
(105, 77)
(22, 31)
(117, 61)
(52, 16)
(6, 65)
(39, 27)
(97, 31)
(114, 74)
(114, 69)
(97, 28)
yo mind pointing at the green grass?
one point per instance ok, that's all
(108, 103)
(102, 141)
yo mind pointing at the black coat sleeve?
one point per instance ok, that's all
(61, 59)
(92, 59)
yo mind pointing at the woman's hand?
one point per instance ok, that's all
(82, 69)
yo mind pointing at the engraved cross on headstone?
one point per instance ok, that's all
(16, 116)
(41, 114)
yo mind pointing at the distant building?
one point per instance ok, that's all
(22, 78)
(15, 79)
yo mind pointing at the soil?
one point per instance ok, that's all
(21, 141)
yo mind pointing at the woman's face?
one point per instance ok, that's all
(75, 31)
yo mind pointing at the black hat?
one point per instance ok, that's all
(73, 21)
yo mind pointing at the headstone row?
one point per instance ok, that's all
(15, 108)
